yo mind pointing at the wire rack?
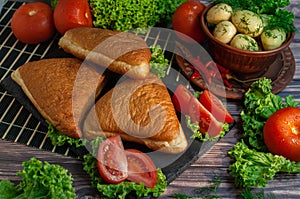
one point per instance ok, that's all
(17, 124)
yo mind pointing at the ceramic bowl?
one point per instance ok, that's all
(242, 62)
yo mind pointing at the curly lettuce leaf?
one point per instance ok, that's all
(158, 63)
(45, 179)
(8, 190)
(253, 168)
(120, 190)
(127, 15)
(59, 139)
(195, 128)
(259, 104)
(40, 180)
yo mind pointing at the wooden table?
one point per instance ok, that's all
(214, 163)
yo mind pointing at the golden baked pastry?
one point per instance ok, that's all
(62, 90)
(120, 52)
(139, 111)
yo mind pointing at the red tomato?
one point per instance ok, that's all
(181, 99)
(282, 133)
(141, 168)
(215, 106)
(32, 23)
(112, 161)
(207, 122)
(186, 20)
(70, 14)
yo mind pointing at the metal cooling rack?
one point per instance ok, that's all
(16, 123)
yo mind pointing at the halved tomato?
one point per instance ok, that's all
(141, 168)
(181, 99)
(112, 161)
(213, 104)
(207, 122)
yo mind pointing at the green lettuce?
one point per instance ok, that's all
(253, 168)
(39, 180)
(59, 139)
(8, 190)
(127, 15)
(259, 104)
(253, 164)
(120, 190)
(195, 128)
(158, 63)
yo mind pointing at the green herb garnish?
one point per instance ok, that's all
(249, 194)
(122, 189)
(253, 168)
(40, 180)
(158, 63)
(181, 196)
(208, 192)
(277, 16)
(260, 103)
(195, 128)
(59, 139)
(127, 15)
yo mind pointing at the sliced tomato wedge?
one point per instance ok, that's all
(181, 99)
(214, 105)
(207, 122)
(141, 168)
(112, 161)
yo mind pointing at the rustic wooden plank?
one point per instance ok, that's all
(214, 163)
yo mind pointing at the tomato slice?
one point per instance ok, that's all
(112, 161)
(141, 168)
(214, 105)
(181, 99)
(207, 122)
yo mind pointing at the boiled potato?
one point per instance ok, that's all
(224, 31)
(272, 39)
(247, 22)
(219, 12)
(244, 42)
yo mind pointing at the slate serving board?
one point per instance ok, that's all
(177, 163)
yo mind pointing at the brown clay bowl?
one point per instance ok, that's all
(242, 62)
